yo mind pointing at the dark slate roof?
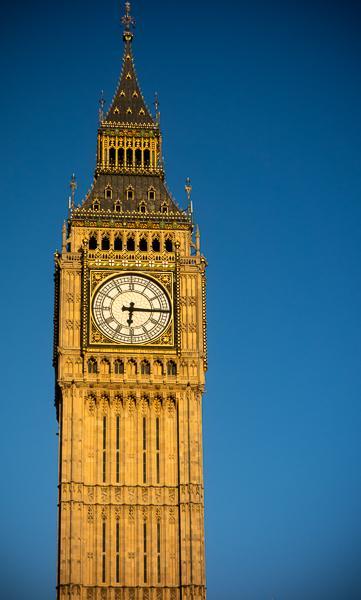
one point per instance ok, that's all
(128, 105)
(140, 184)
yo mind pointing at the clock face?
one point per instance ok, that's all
(131, 309)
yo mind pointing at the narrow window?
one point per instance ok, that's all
(145, 367)
(118, 244)
(131, 244)
(138, 157)
(112, 156)
(151, 194)
(119, 367)
(145, 552)
(117, 206)
(96, 205)
(108, 192)
(157, 446)
(117, 553)
(117, 467)
(143, 245)
(142, 208)
(158, 553)
(147, 158)
(171, 368)
(121, 157)
(130, 194)
(92, 366)
(144, 450)
(129, 157)
(93, 243)
(103, 551)
(104, 448)
(105, 243)
(168, 245)
(156, 245)
(164, 208)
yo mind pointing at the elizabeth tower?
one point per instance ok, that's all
(130, 361)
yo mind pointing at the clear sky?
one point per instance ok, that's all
(260, 106)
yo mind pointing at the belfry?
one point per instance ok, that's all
(130, 357)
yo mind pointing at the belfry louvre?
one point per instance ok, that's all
(130, 357)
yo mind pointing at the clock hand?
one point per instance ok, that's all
(130, 308)
(150, 310)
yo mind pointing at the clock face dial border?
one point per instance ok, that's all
(132, 309)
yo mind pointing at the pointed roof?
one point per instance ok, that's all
(128, 105)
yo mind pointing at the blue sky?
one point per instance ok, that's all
(260, 106)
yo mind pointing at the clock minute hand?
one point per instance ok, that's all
(150, 310)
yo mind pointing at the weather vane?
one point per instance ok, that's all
(128, 21)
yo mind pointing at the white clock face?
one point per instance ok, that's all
(131, 309)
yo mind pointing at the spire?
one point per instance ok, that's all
(128, 105)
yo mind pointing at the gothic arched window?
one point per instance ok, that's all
(147, 157)
(112, 156)
(142, 208)
(96, 205)
(138, 157)
(131, 244)
(117, 206)
(108, 192)
(105, 243)
(93, 242)
(130, 193)
(121, 157)
(118, 243)
(151, 194)
(129, 157)
(156, 244)
(145, 367)
(168, 245)
(171, 368)
(132, 367)
(143, 245)
(92, 366)
(119, 367)
(158, 368)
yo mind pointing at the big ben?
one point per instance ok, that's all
(130, 358)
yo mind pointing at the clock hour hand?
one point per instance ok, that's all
(130, 309)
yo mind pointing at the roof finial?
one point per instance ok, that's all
(73, 186)
(188, 189)
(101, 107)
(156, 105)
(129, 23)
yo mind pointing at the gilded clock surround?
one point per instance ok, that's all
(131, 499)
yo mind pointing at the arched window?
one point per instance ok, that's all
(121, 157)
(130, 244)
(158, 368)
(143, 245)
(164, 208)
(130, 193)
(108, 192)
(129, 157)
(105, 367)
(168, 245)
(96, 205)
(118, 243)
(112, 156)
(151, 194)
(105, 243)
(138, 157)
(119, 367)
(92, 366)
(156, 244)
(147, 157)
(171, 368)
(117, 206)
(145, 367)
(93, 243)
(142, 208)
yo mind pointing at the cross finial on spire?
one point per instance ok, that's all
(73, 186)
(129, 23)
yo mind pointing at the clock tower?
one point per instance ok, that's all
(130, 358)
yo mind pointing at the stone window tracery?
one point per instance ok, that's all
(108, 192)
(119, 367)
(93, 242)
(143, 244)
(156, 244)
(145, 367)
(171, 368)
(118, 242)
